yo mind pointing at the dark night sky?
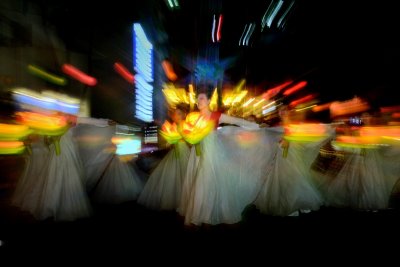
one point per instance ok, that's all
(342, 48)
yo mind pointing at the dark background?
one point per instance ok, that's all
(342, 48)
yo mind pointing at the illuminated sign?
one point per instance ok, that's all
(143, 65)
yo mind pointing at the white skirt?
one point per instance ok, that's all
(163, 189)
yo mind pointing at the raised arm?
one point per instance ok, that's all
(239, 122)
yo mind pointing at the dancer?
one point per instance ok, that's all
(52, 184)
(108, 179)
(164, 186)
(288, 187)
(213, 191)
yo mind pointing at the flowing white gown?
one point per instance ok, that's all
(225, 177)
(163, 189)
(54, 183)
(108, 179)
(288, 186)
(26, 194)
(365, 181)
(190, 173)
(93, 137)
(119, 183)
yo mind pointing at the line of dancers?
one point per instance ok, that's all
(242, 164)
(61, 184)
(211, 173)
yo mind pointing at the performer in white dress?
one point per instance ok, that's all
(108, 178)
(52, 184)
(288, 186)
(163, 189)
(214, 190)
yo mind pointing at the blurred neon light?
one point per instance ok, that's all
(268, 110)
(354, 105)
(216, 33)
(46, 100)
(322, 107)
(143, 60)
(390, 109)
(79, 75)
(275, 90)
(295, 88)
(213, 29)
(301, 100)
(126, 145)
(259, 102)
(46, 75)
(252, 27)
(244, 40)
(308, 107)
(269, 104)
(35, 101)
(143, 54)
(169, 71)
(173, 4)
(284, 15)
(271, 18)
(219, 28)
(247, 32)
(129, 147)
(270, 14)
(124, 72)
(241, 37)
